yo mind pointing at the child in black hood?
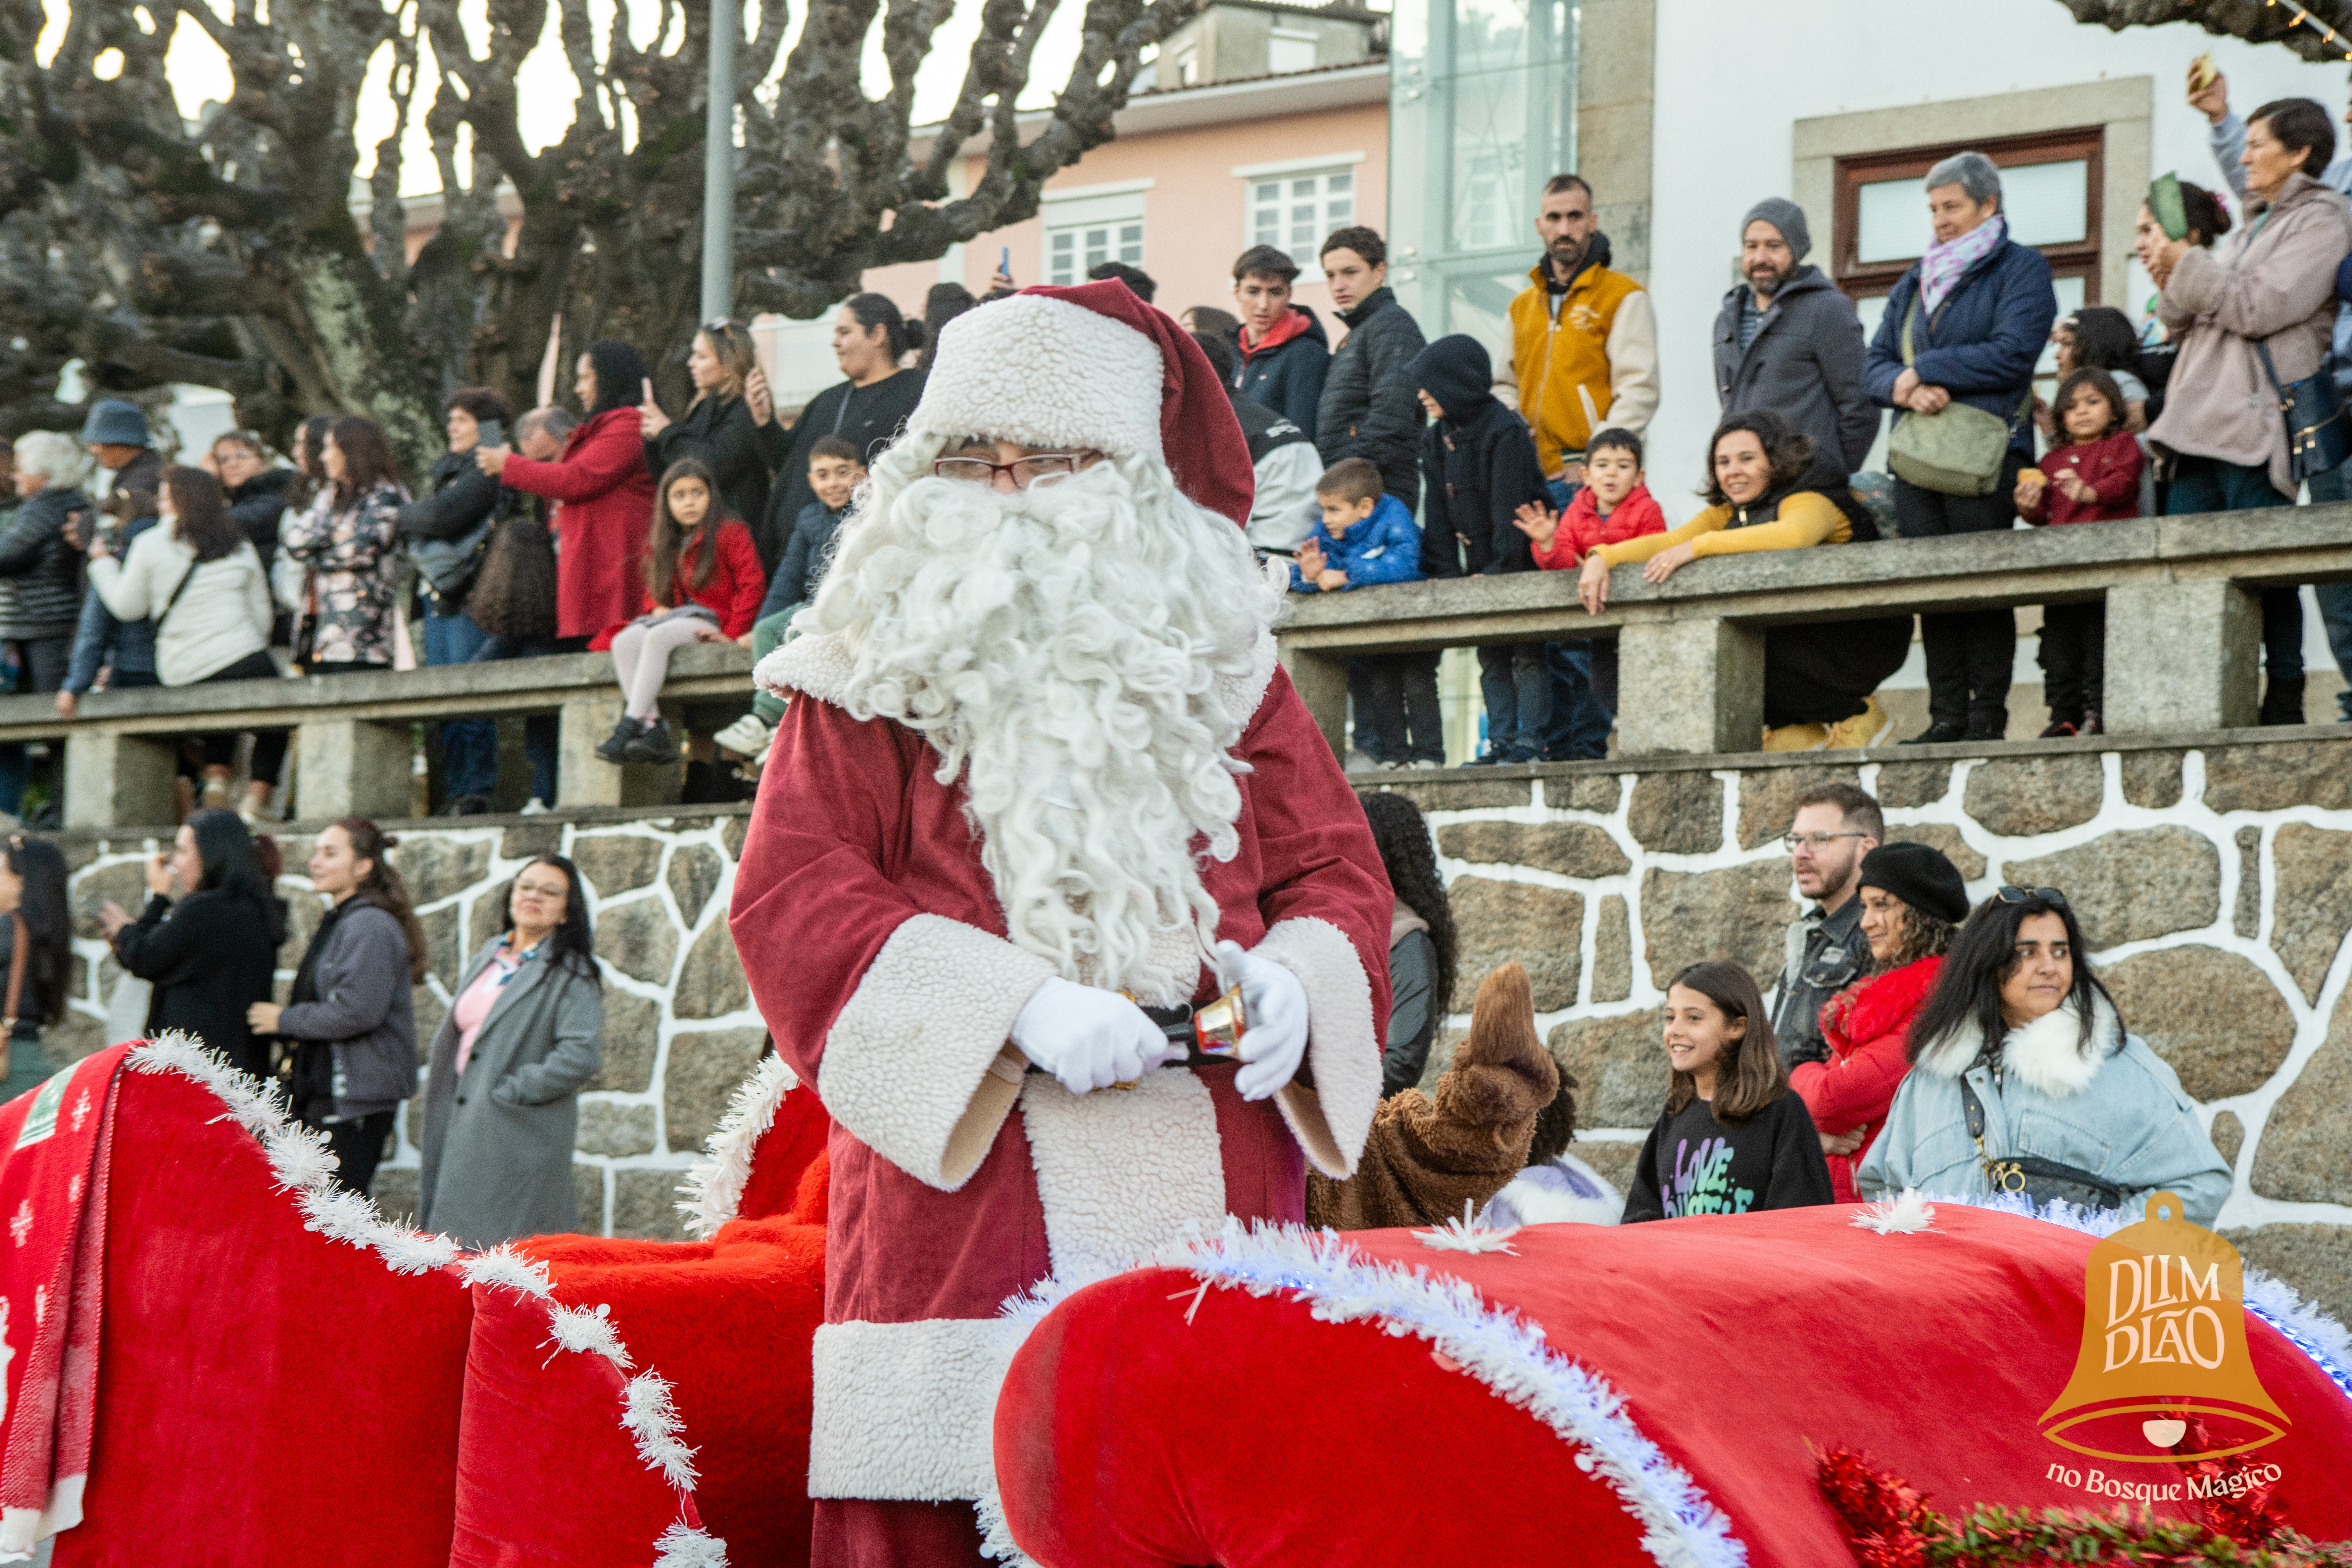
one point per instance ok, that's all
(1479, 468)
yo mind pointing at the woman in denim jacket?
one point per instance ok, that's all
(2017, 1014)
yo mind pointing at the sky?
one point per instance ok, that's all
(199, 72)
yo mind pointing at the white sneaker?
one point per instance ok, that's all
(746, 736)
(534, 806)
(1361, 763)
(1425, 762)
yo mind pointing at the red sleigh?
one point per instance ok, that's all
(284, 1378)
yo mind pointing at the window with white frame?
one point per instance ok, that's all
(1290, 51)
(1090, 225)
(1294, 206)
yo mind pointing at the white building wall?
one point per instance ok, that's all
(1733, 76)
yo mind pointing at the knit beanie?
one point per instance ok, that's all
(1787, 217)
(1920, 876)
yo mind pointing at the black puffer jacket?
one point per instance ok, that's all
(435, 526)
(260, 505)
(1481, 464)
(720, 432)
(1368, 408)
(40, 574)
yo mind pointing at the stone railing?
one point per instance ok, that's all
(2184, 623)
(354, 738)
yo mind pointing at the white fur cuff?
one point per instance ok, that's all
(910, 1067)
(906, 1412)
(1124, 1173)
(818, 664)
(1332, 1120)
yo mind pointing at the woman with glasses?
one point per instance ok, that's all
(869, 339)
(730, 427)
(257, 490)
(2024, 1080)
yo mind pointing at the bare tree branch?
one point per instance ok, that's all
(2258, 21)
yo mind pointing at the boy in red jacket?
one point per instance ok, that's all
(1613, 506)
(2093, 479)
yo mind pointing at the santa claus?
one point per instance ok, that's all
(1042, 789)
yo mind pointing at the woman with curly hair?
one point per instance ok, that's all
(1421, 938)
(1912, 899)
(1767, 490)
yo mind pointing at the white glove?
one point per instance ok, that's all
(1275, 1002)
(1088, 1038)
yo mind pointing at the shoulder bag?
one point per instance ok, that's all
(2043, 1182)
(513, 593)
(1958, 449)
(2318, 436)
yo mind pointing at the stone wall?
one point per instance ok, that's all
(2214, 883)
(679, 1029)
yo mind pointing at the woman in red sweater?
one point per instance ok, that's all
(606, 492)
(1912, 897)
(2095, 477)
(703, 574)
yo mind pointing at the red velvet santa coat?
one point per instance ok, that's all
(875, 945)
(1867, 1027)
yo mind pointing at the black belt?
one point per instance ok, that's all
(1176, 1022)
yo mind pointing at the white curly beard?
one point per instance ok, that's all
(1059, 648)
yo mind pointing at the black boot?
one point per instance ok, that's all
(615, 747)
(1941, 733)
(1988, 724)
(697, 788)
(652, 744)
(2283, 700)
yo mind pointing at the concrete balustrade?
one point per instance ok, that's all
(354, 741)
(2184, 627)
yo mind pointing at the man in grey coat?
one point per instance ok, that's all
(1789, 340)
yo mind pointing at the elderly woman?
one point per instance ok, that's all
(1965, 324)
(2270, 288)
(1912, 899)
(502, 1092)
(40, 585)
(2025, 1082)
(1768, 491)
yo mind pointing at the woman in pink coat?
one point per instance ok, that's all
(1912, 897)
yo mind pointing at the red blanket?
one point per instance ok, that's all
(53, 1176)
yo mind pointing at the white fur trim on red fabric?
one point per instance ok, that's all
(1045, 372)
(1682, 1527)
(1243, 695)
(906, 1412)
(1123, 1173)
(299, 1158)
(713, 1188)
(909, 1066)
(1332, 1120)
(683, 1546)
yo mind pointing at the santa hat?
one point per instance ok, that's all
(1090, 366)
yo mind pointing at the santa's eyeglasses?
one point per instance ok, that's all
(1037, 468)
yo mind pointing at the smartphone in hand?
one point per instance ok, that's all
(493, 433)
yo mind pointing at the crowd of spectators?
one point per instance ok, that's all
(1386, 458)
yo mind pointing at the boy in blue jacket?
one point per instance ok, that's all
(1366, 537)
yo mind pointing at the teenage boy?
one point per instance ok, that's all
(1282, 456)
(834, 473)
(1283, 349)
(1482, 468)
(1364, 536)
(1368, 408)
(1615, 504)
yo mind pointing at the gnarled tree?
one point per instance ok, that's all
(234, 253)
(2258, 21)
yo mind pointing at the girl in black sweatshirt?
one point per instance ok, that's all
(1733, 1137)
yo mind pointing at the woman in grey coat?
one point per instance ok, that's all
(352, 1011)
(2018, 1023)
(501, 1104)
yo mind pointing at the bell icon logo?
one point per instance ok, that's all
(2164, 1341)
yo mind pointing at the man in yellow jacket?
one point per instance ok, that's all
(1584, 339)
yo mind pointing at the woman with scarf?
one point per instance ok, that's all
(607, 497)
(1768, 491)
(1978, 307)
(351, 1014)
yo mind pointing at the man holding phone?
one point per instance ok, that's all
(446, 533)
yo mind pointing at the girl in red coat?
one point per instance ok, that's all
(1912, 897)
(703, 574)
(2095, 477)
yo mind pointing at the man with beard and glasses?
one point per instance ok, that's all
(1042, 791)
(1788, 339)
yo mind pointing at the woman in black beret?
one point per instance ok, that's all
(1912, 898)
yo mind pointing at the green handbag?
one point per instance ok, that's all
(1956, 452)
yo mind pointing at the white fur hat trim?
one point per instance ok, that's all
(1044, 372)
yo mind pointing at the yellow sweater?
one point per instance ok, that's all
(1806, 518)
